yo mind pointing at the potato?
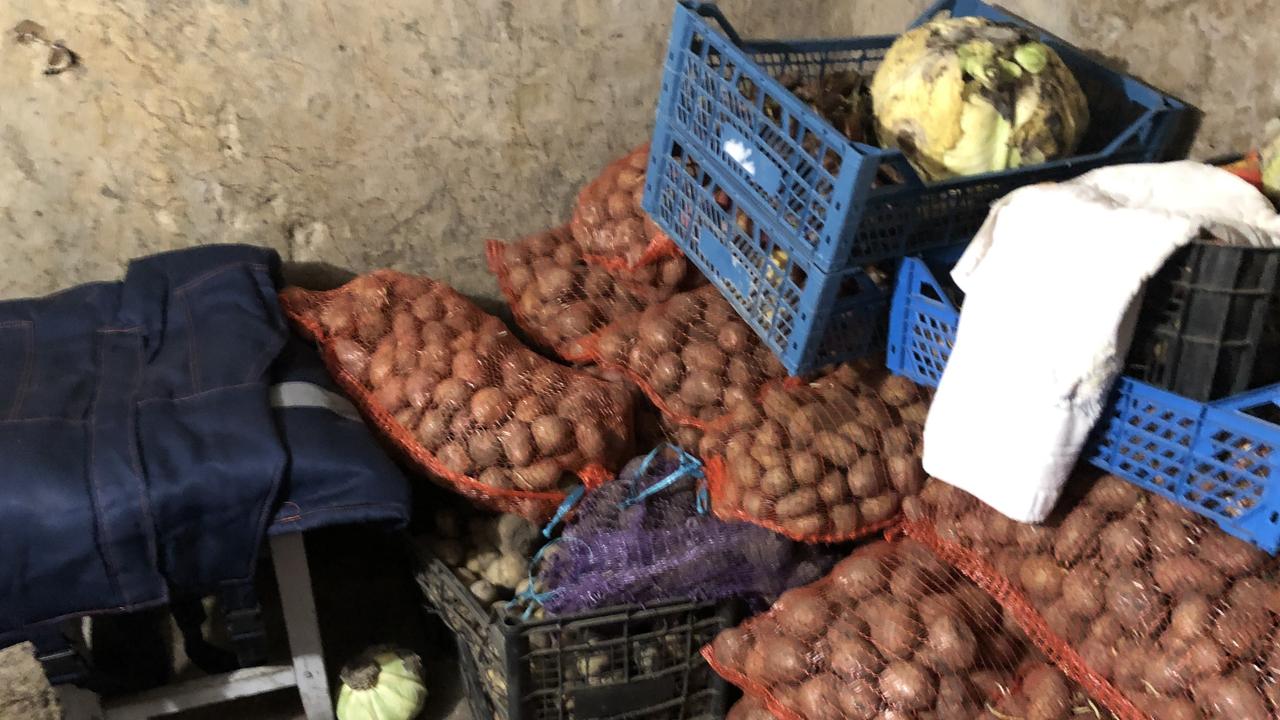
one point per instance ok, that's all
(832, 488)
(755, 504)
(801, 501)
(667, 372)
(1135, 601)
(745, 472)
(895, 631)
(454, 457)
(1232, 556)
(451, 393)
(1110, 494)
(731, 646)
(907, 686)
(949, 646)
(957, 697)
(1077, 535)
(538, 477)
(1097, 656)
(1190, 618)
(867, 477)
(819, 698)
(844, 519)
(1123, 542)
(1041, 577)
(1230, 697)
(658, 334)
(1084, 591)
(591, 440)
(529, 408)
(1048, 697)
(805, 467)
(802, 613)
(700, 388)
(879, 508)
(552, 434)
(860, 700)
(703, 355)
(776, 482)
(908, 581)
(517, 442)
(733, 337)
(850, 652)
(371, 324)
(895, 441)
(906, 474)
(489, 406)
(1185, 574)
(1172, 536)
(433, 428)
(1242, 629)
(390, 394)
(352, 357)
(484, 449)
(834, 447)
(1032, 538)
(805, 526)
(859, 576)
(787, 659)
(740, 373)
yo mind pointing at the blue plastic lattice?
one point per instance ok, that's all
(1219, 459)
(826, 199)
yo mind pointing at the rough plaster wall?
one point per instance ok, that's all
(403, 133)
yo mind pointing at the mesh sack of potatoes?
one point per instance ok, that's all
(820, 461)
(1153, 608)
(558, 299)
(608, 223)
(453, 390)
(639, 540)
(691, 355)
(890, 632)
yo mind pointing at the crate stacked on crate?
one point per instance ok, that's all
(789, 217)
(632, 662)
(1214, 447)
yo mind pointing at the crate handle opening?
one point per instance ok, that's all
(711, 10)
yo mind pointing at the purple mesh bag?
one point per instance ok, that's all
(645, 537)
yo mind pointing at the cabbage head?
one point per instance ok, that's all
(962, 96)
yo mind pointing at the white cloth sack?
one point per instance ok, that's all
(1052, 284)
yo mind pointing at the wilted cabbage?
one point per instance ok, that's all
(1270, 157)
(961, 96)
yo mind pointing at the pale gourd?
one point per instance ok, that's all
(382, 684)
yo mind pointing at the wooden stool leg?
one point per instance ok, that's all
(289, 556)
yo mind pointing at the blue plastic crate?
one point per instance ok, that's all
(718, 92)
(1220, 459)
(806, 317)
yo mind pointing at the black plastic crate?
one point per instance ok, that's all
(632, 662)
(1208, 326)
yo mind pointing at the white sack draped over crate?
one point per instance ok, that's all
(1053, 284)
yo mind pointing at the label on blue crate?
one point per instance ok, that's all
(743, 151)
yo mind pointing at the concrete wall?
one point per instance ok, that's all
(403, 133)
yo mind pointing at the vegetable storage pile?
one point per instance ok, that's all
(687, 481)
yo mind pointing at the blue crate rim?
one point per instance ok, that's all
(912, 180)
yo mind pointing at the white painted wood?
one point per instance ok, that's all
(200, 692)
(289, 556)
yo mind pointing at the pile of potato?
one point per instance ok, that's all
(559, 299)
(890, 633)
(608, 223)
(1178, 616)
(693, 356)
(460, 394)
(826, 461)
(490, 554)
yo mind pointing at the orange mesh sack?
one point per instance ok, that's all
(824, 461)
(891, 632)
(460, 396)
(1153, 608)
(558, 299)
(608, 223)
(691, 355)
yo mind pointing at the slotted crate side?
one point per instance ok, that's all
(1203, 329)
(1217, 459)
(1221, 460)
(922, 324)
(791, 305)
(628, 662)
(725, 101)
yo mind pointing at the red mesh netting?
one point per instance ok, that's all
(691, 355)
(608, 223)
(1149, 606)
(453, 390)
(558, 299)
(823, 461)
(891, 632)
